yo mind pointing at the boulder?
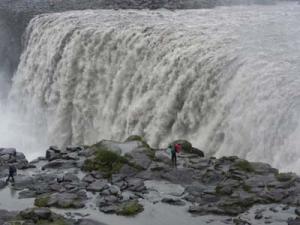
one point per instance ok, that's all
(70, 177)
(182, 176)
(195, 189)
(141, 157)
(5, 158)
(109, 209)
(8, 151)
(71, 156)
(97, 186)
(88, 222)
(20, 156)
(295, 221)
(136, 185)
(62, 200)
(6, 216)
(22, 164)
(74, 148)
(60, 164)
(36, 214)
(88, 178)
(173, 201)
(188, 148)
(55, 149)
(52, 155)
(23, 182)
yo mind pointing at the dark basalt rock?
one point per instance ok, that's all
(88, 222)
(173, 201)
(295, 221)
(140, 157)
(11, 156)
(36, 214)
(60, 164)
(97, 186)
(62, 200)
(6, 216)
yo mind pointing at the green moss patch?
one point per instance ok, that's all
(130, 208)
(59, 221)
(247, 188)
(105, 161)
(244, 165)
(42, 201)
(284, 177)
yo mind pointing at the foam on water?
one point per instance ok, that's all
(227, 79)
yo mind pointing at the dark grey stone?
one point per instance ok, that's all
(89, 222)
(97, 186)
(173, 201)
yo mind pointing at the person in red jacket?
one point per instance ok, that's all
(176, 148)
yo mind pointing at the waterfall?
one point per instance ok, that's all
(227, 79)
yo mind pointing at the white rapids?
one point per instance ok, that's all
(227, 79)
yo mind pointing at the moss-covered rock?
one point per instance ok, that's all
(42, 200)
(59, 221)
(243, 165)
(188, 148)
(62, 200)
(42, 216)
(247, 188)
(106, 161)
(284, 177)
(130, 208)
(140, 158)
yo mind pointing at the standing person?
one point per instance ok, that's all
(176, 148)
(174, 156)
(12, 170)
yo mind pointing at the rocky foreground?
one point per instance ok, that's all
(120, 178)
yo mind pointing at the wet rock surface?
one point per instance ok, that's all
(228, 186)
(10, 156)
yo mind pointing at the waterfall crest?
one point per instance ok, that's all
(226, 79)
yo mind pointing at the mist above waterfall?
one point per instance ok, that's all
(226, 79)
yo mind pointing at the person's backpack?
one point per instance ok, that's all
(177, 148)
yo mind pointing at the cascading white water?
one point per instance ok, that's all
(227, 79)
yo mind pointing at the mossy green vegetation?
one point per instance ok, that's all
(246, 188)
(218, 190)
(42, 201)
(244, 165)
(284, 177)
(58, 221)
(16, 222)
(105, 161)
(130, 208)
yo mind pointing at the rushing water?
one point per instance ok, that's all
(227, 79)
